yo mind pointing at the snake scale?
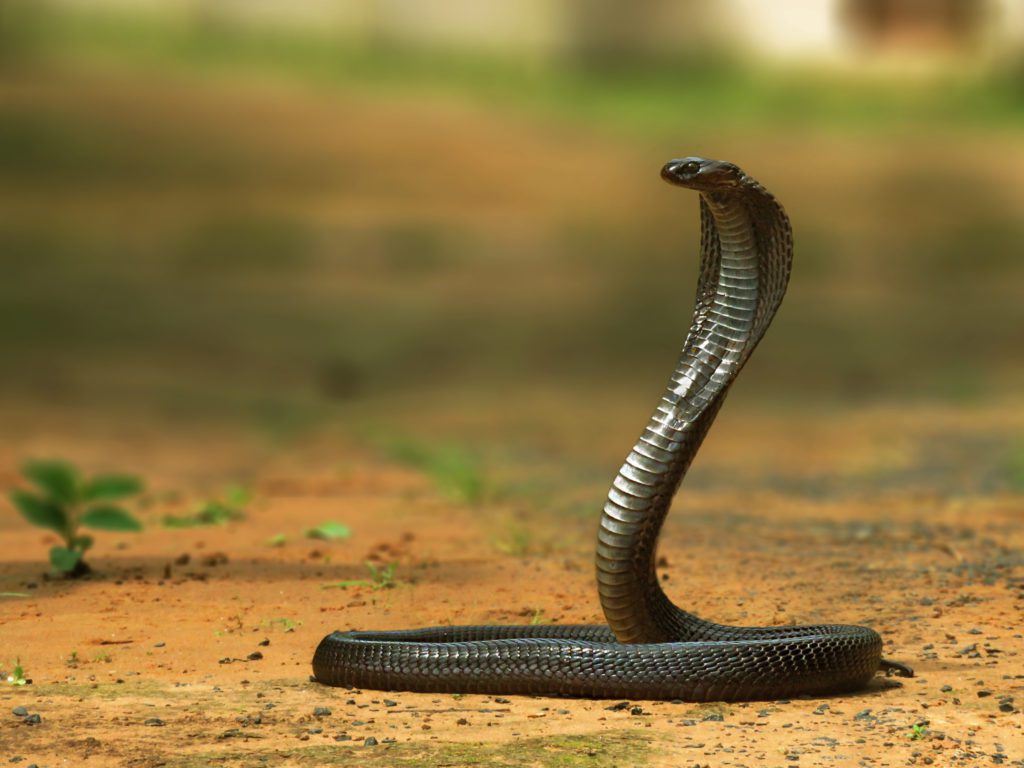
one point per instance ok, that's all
(650, 649)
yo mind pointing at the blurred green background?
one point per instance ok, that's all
(446, 218)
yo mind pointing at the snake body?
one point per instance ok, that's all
(650, 648)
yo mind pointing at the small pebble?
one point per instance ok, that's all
(390, 703)
(343, 737)
(370, 742)
(254, 656)
(321, 712)
(154, 721)
(1006, 707)
(32, 720)
(635, 711)
(984, 694)
(19, 711)
(618, 707)
(315, 730)
(502, 701)
(159, 645)
(947, 689)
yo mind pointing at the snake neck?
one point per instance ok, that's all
(746, 250)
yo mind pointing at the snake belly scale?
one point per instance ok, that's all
(650, 648)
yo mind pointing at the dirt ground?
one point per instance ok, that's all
(192, 646)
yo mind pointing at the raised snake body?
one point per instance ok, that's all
(650, 649)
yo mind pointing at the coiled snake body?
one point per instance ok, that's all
(650, 649)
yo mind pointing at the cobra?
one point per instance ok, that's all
(650, 648)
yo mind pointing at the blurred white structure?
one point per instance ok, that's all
(875, 33)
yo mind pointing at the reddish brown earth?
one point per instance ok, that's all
(904, 519)
(164, 630)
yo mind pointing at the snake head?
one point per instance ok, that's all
(702, 174)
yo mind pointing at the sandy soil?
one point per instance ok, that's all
(192, 647)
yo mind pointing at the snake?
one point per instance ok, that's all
(649, 648)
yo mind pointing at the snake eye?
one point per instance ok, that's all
(691, 168)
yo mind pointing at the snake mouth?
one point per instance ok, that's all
(702, 174)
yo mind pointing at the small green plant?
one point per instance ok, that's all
(16, 676)
(456, 472)
(277, 540)
(329, 531)
(517, 542)
(286, 624)
(380, 578)
(72, 660)
(231, 506)
(918, 731)
(537, 617)
(66, 502)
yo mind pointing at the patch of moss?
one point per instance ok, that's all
(592, 750)
(705, 711)
(110, 690)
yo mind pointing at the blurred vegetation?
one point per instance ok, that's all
(201, 220)
(702, 88)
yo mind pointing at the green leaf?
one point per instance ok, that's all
(82, 542)
(40, 512)
(111, 487)
(64, 559)
(110, 518)
(57, 478)
(330, 531)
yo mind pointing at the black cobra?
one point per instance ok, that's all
(650, 648)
